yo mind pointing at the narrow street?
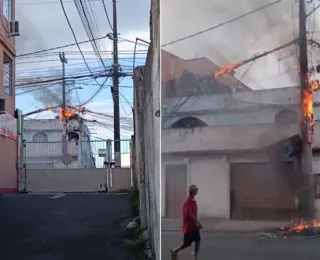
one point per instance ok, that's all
(244, 246)
(64, 227)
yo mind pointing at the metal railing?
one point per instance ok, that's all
(80, 154)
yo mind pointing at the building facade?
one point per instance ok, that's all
(8, 122)
(233, 146)
(44, 147)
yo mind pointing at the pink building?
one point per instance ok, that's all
(8, 122)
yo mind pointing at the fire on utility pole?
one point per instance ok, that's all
(307, 187)
(115, 91)
(63, 105)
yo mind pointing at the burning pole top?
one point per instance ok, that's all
(231, 67)
(63, 113)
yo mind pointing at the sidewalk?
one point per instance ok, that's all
(211, 224)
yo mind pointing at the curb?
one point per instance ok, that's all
(221, 230)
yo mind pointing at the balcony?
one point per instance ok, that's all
(227, 138)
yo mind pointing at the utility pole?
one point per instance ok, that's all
(63, 105)
(307, 187)
(117, 145)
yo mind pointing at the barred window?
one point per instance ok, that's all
(7, 74)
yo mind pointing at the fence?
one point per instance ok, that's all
(76, 180)
(80, 154)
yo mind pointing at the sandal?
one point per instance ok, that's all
(173, 255)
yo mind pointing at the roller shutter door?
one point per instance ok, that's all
(259, 192)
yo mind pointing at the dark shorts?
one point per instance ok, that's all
(191, 237)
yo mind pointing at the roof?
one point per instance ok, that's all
(172, 68)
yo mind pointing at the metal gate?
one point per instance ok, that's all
(43, 166)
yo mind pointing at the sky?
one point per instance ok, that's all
(242, 39)
(43, 26)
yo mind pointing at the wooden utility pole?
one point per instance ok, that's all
(307, 187)
(116, 106)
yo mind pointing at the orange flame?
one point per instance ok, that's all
(303, 225)
(65, 113)
(227, 69)
(315, 85)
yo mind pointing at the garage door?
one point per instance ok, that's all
(261, 191)
(176, 189)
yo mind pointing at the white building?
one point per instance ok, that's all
(44, 146)
(220, 143)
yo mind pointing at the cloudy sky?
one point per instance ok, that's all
(43, 25)
(256, 33)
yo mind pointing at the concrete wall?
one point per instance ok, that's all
(256, 107)
(262, 115)
(226, 138)
(121, 179)
(75, 180)
(8, 171)
(147, 132)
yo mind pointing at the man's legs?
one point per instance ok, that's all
(196, 239)
(196, 249)
(186, 243)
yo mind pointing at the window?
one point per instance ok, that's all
(7, 9)
(188, 122)
(40, 138)
(7, 74)
(287, 116)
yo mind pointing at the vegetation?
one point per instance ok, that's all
(137, 237)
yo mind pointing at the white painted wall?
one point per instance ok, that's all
(227, 138)
(76, 180)
(212, 177)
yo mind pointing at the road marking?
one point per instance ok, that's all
(58, 196)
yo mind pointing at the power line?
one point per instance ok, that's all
(44, 87)
(48, 2)
(75, 59)
(221, 24)
(98, 75)
(88, 29)
(106, 12)
(75, 38)
(142, 44)
(59, 47)
(75, 52)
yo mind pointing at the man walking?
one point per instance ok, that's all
(190, 225)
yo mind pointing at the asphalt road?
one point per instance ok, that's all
(243, 246)
(70, 227)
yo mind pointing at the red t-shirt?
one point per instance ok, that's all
(189, 210)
